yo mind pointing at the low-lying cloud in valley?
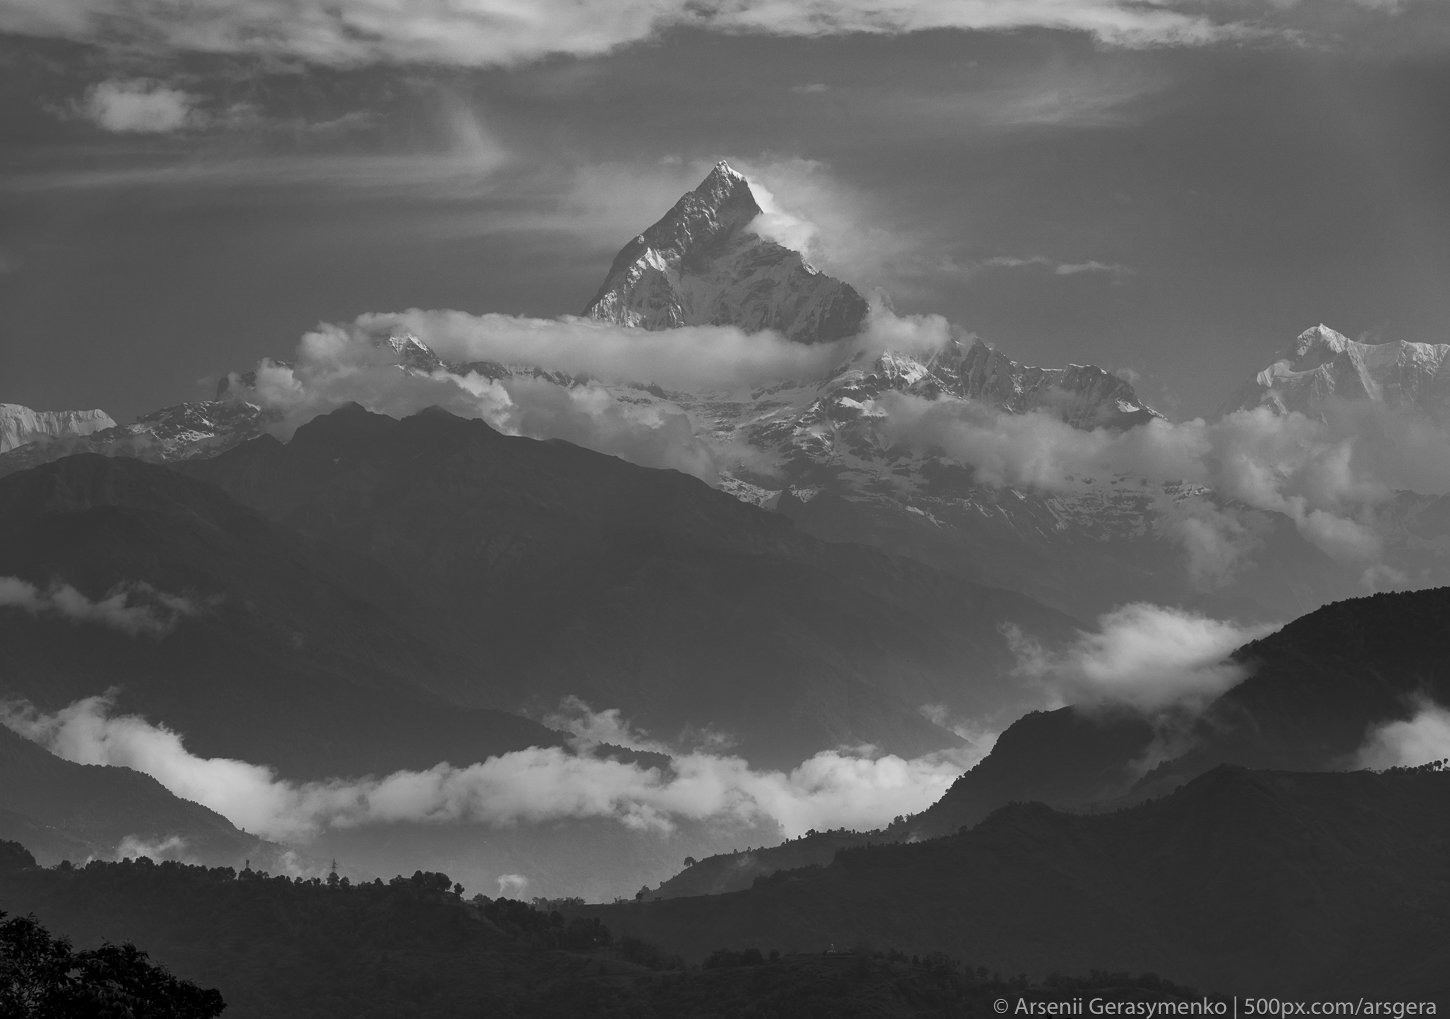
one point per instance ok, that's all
(854, 788)
(137, 608)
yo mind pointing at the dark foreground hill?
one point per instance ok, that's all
(1243, 882)
(65, 811)
(1313, 692)
(576, 573)
(412, 947)
(286, 652)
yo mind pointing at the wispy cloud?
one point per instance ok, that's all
(136, 608)
(1115, 270)
(497, 32)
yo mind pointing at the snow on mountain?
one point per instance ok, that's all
(703, 264)
(1322, 364)
(21, 425)
(186, 430)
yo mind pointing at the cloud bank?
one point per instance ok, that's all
(1142, 656)
(134, 608)
(852, 788)
(1330, 476)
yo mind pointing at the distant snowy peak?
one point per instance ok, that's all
(21, 425)
(1322, 365)
(1084, 396)
(702, 264)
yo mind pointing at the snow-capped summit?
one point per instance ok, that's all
(1084, 396)
(21, 425)
(1322, 364)
(412, 353)
(703, 264)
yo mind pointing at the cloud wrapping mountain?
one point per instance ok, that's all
(844, 787)
(1147, 657)
(1326, 475)
(1420, 739)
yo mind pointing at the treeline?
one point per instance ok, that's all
(42, 977)
(328, 948)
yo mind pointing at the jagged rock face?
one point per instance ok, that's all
(179, 432)
(1324, 365)
(21, 425)
(702, 265)
(1084, 396)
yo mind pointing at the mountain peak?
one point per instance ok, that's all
(1319, 338)
(703, 264)
(1322, 364)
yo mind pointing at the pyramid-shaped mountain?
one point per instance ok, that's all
(704, 264)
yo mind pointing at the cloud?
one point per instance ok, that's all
(1408, 743)
(335, 367)
(512, 886)
(845, 787)
(1112, 269)
(172, 847)
(1142, 656)
(562, 389)
(479, 33)
(139, 107)
(1328, 476)
(592, 728)
(691, 358)
(135, 608)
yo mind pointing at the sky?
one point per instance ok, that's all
(1172, 188)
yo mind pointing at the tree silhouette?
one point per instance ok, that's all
(42, 978)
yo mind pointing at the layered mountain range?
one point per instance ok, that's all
(420, 592)
(828, 451)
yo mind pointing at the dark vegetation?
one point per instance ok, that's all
(1240, 881)
(273, 946)
(41, 977)
(1312, 691)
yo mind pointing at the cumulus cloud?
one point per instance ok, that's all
(335, 367)
(851, 787)
(1143, 656)
(135, 608)
(591, 383)
(139, 107)
(512, 886)
(478, 33)
(1420, 739)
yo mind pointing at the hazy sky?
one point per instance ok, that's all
(1176, 188)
